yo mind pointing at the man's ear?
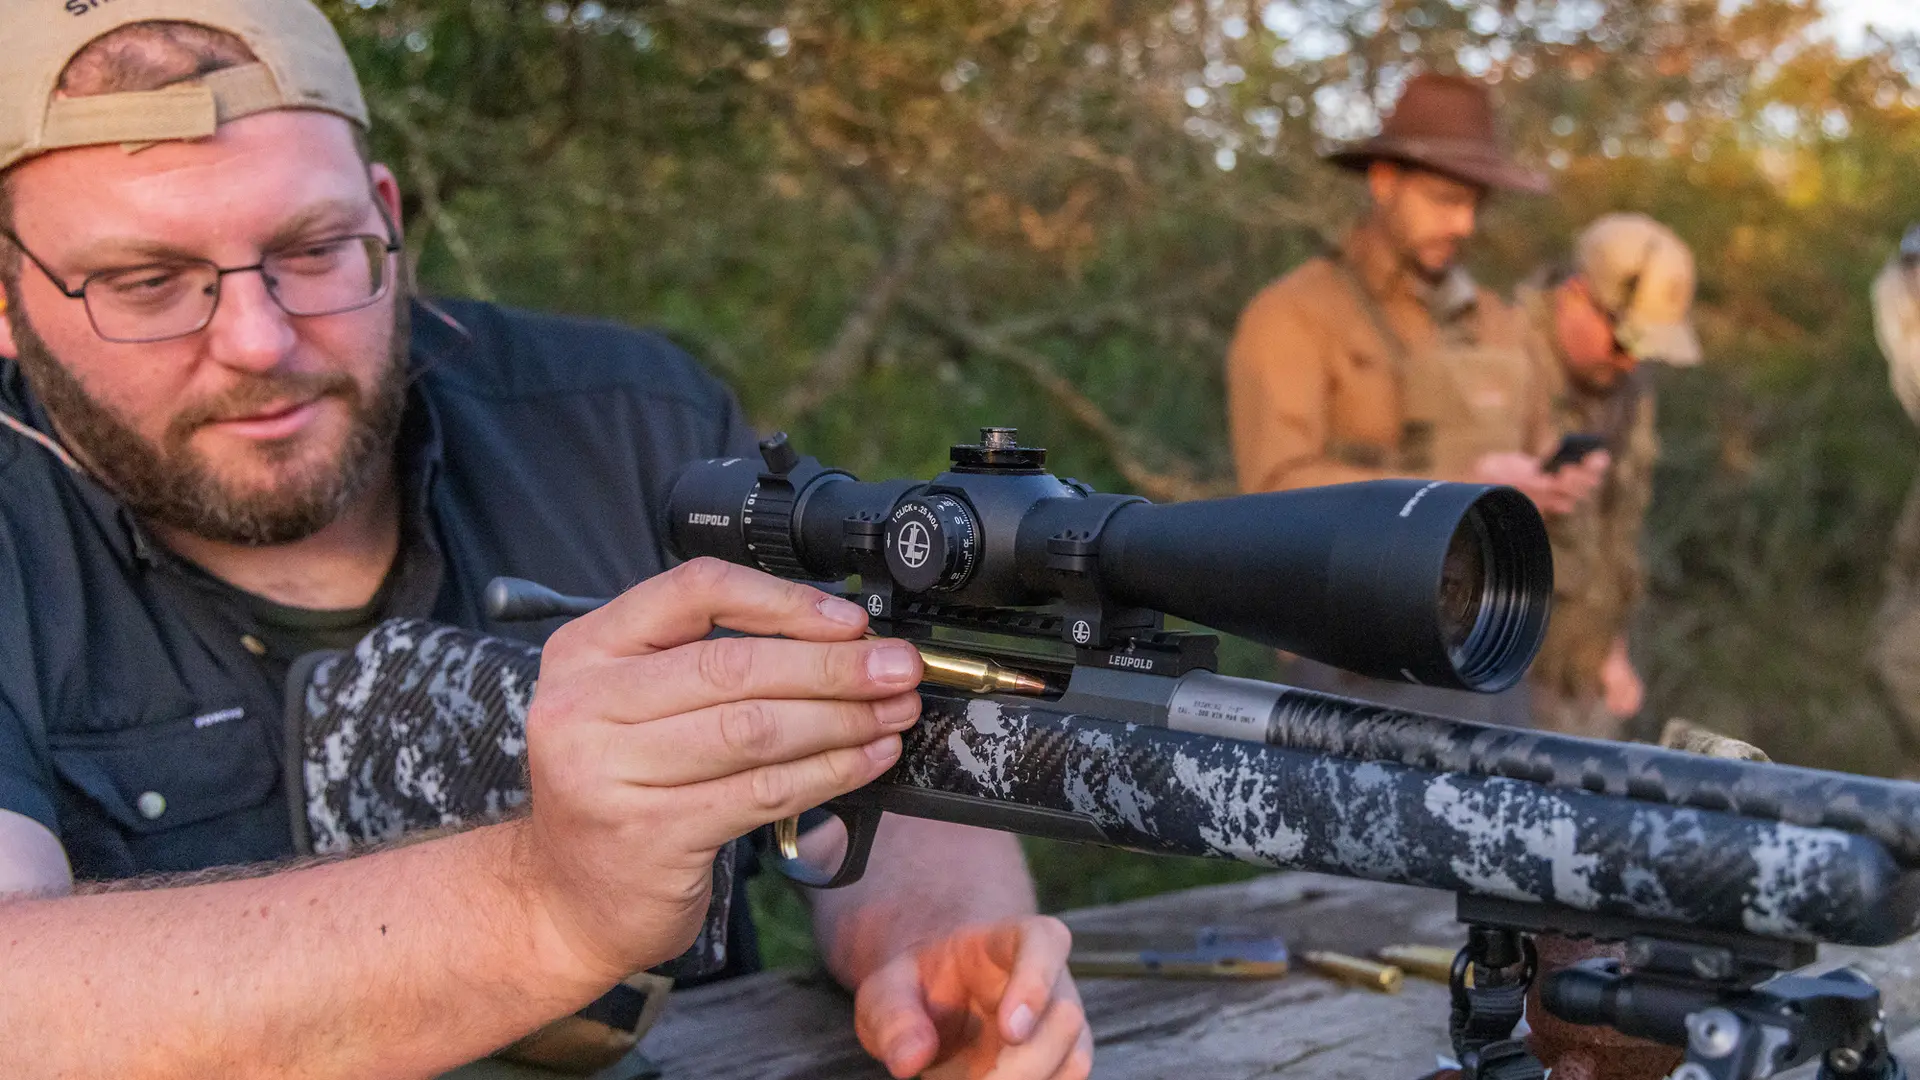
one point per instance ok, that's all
(7, 348)
(1383, 181)
(387, 190)
(1580, 287)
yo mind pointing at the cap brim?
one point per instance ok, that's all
(1672, 344)
(1487, 172)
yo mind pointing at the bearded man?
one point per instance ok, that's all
(231, 439)
(1384, 358)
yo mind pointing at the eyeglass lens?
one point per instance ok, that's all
(154, 303)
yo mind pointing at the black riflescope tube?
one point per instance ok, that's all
(1439, 584)
(1435, 583)
(1886, 810)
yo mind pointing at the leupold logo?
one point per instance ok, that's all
(914, 545)
(722, 520)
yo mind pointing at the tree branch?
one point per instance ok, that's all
(842, 360)
(1162, 486)
(1085, 319)
(420, 165)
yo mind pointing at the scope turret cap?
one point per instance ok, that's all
(302, 65)
(1642, 275)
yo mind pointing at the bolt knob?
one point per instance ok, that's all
(779, 454)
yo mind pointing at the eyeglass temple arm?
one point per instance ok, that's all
(71, 294)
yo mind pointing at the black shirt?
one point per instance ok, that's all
(140, 720)
(286, 633)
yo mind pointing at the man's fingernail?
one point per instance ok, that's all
(1020, 1023)
(893, 663)
(899, 712)
(845, 612)
(883, 750)
(906, 1047)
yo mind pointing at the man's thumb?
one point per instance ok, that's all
(891, 1019)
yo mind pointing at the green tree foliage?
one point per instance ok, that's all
(889, 221)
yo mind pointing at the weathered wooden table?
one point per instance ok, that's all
(799, 1026)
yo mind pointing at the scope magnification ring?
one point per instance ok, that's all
(932, 544)
(767, 520)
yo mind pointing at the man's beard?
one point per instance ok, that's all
(174, 485)
(1408, 249)
(1413, 258)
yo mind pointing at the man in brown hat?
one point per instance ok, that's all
(1384, 358)
(1621, 302)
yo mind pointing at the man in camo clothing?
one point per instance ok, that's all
(1623, 299)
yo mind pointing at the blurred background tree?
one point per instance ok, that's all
(887, 222)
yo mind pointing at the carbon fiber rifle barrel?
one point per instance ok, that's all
(1017, 765)
(1886, 810)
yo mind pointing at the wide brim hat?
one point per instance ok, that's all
(1445, 124)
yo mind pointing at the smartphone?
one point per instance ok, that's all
(1572, 449)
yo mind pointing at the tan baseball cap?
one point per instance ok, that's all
(302, 65)
(1643, 276)
(1896, 320)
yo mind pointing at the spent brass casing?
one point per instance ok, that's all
(786, 837)
(1433, 962)
(1384, 978)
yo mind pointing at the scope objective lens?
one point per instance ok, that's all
(1463, 597)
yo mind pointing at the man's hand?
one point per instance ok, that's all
(1624, 691)
(993, 1001)
(649, 748)
(1554, 493)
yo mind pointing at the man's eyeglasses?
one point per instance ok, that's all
(165, 300)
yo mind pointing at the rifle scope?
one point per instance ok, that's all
(1435, 583)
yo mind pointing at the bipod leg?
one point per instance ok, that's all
(1733, 1031)
(1876, 1063)
(1490, 979)
(1835, 1018)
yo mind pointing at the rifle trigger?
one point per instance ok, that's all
(862, 823)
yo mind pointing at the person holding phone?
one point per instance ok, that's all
(1623, 299)
(1382, 357)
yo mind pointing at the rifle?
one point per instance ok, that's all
(1070, 711)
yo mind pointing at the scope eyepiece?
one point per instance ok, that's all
(1435, 583)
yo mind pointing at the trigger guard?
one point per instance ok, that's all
(862, 823)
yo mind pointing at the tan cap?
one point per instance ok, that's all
(302, 65)
(1896, 321)
(1642, 275)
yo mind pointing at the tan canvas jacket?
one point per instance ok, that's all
(1319, 392)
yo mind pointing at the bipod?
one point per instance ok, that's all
(1490, 979)
(1734, 1027)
